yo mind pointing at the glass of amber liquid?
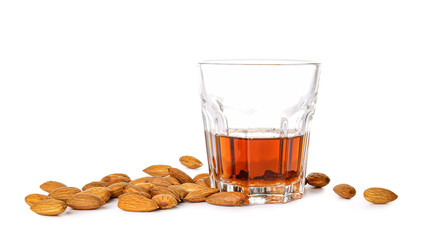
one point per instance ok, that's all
(257, 116)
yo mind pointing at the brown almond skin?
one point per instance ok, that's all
(200, 176)
(111, 179)
(117, 189)
(379, 195)
(95, 184)
(146, 186)
(173, 180)
(180, 175)
(157, 170)
(200, 195)
(134, 202)
(102, 192)
(163, 190)
(49, 207)
(159, 181)
(190, 162)
(202, 183)
(35, 198)
(129, 188)
(85, 201)
(317, 179)
(139, 180)
(121, 174)
(51, 185)
(190, 187)
(228, 199)
(64, 193)
(165, 201)
(178, 190)
(345, 191)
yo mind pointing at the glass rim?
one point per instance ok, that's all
(259, 62)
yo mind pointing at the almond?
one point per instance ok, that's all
(101, 192)
(64, 193)
(85, 201)
(136, 203)
(178, 190)
(207, 180)
(157, 170)
(51, 185)
(379, 195)
(190, 187)
(173, 180)
(201, 175)
(121, 174)
(117, 188)
(35, 198)
(165, 201)
(190, 162)
(159, 181)
(180, 175)
(163, 190)
(228, 199)
(345, 191)
(200, 195)
(95, 184)
(147, 186)
(129, 188)
(317, 179)
(115, 179)
(139, 180)
(49, 207)
(202, 183)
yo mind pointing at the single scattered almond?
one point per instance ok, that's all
(228, 199)
(95, 184)
(379, 195)
(178, 190)
(163, 190)
(49, 207)
(115, 179)
(129, 188)
(159, 181)
(200, 195)
(102, 192)
(201, 175)
(317, 179)
(190, 162)
(64, 193)
(117, 189)
(165, 201)
(345, 191)
(35, 198)
(51, 185)
(157, 170)
(136, 203)
(180, 175)
(85, 201)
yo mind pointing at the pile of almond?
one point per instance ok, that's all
(163, 189)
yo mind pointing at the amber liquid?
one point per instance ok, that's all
(259, 161)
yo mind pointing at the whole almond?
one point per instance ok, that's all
(64, 193)
(35, 198)
(165, 201)
(379, 195)
(180, 175)
(95, 184)
(136, 203)
(117, 189)
(49, 207)
(317, 179)
(121, 174)
(190, 187)
(115, 179)
(85, 201)
(345, 191)
(147, 186)
(159, 181)
(202, 183)
(207, 180)
(102, 192)
(51, 185)
(139, 180)
(163, 190)
(129, 188)
(178, 190)
(200, 195)
(157, 170)
(200, 176)
(228, 199)
(173, 180)
(190, 162)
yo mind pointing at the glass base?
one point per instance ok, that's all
(266, 194)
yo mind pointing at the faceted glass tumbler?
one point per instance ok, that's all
(256, 116)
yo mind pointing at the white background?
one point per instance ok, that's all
(89, 88)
